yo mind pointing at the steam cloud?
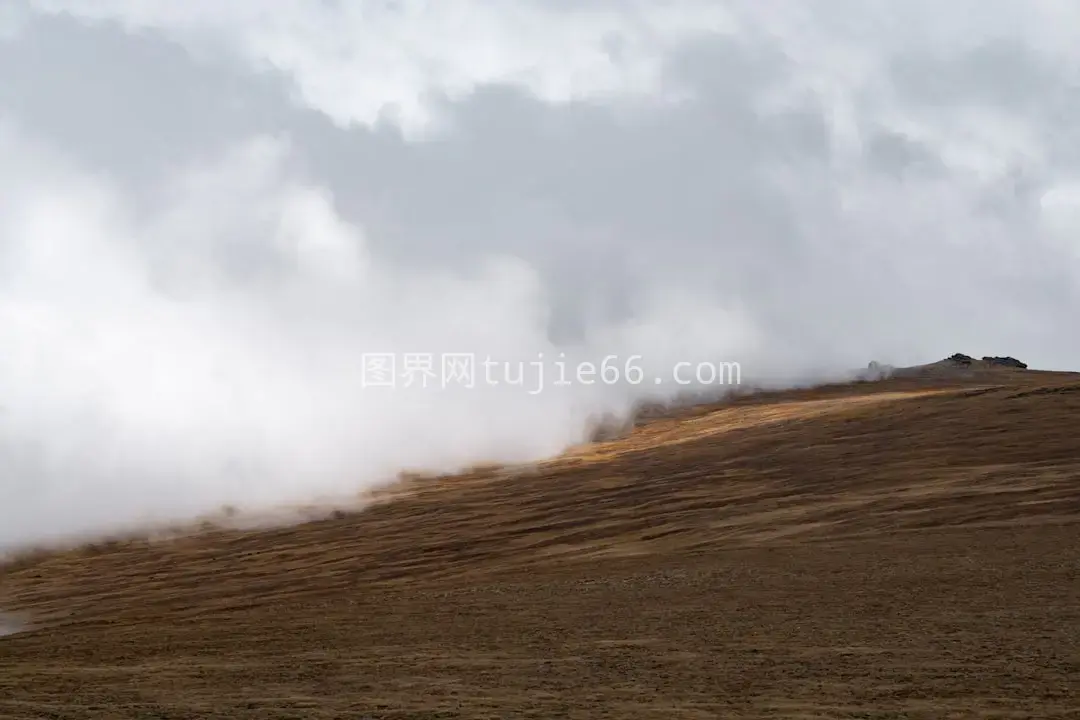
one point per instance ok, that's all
(210, 213)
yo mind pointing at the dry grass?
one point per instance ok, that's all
(909, 548)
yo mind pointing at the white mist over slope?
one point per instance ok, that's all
(213, 352)
(209, 213)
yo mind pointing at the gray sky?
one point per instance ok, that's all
(210, 211)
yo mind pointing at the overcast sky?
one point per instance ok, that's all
(210, 210)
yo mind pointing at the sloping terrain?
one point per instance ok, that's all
(904, 548)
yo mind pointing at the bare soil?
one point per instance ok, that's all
(900, 549)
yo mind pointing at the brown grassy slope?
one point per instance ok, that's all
(909, 548)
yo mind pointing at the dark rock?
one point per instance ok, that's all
(961, 359)
(1004, 362)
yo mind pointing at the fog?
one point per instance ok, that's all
(211, 215)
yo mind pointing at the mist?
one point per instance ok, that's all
(212, 217)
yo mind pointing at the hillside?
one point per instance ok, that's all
(903, 548)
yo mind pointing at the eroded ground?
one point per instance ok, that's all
(909, 548)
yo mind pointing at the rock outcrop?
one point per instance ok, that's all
(1005, 362)
(963, 360)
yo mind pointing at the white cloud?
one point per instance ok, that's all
(12, 19)
(361, 61)
(161, 364)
